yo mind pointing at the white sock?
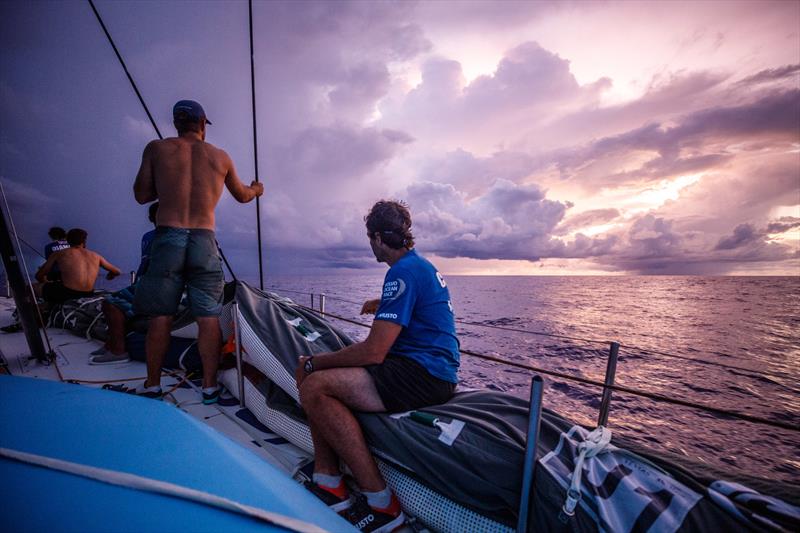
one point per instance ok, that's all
(326, 480)
(380, 499)
(210, 390)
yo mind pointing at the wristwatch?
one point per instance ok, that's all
(308, 366)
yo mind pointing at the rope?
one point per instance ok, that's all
(255, 146)
(125, 68)
(630, 347)
(146, 484)
(37, 252)
(595, 443)
(619, 388)
(541, 333)
(225, 259)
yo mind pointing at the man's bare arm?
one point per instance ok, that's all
(144, 188)
(241, 192)
(371, 351)
(113, 271)
(370, 307)
(44, 270)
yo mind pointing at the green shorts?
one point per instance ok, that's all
(181, 258)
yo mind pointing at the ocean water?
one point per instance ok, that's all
(752, 323)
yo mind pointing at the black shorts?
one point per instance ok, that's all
(56, 292)
(405, 385)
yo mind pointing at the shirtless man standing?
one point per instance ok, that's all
(186, 175)
(79, 267)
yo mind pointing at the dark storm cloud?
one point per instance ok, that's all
(772, 114)
(783, 224)
(742, 234)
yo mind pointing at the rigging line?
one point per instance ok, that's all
(619, 388)
(125, 68)
(255, 147)
(328, 296)
(518, 330)
(629, 347)
(37, 252)
(27, 275)
(222, 255)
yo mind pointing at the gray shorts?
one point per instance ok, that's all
(181, 258)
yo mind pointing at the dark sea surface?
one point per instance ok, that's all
(752, 323)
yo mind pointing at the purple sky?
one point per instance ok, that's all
(528, 138)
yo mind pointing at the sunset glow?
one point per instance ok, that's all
(527, 137)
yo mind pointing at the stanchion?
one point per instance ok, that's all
(322, 303)
(611, 371)
(529, 468)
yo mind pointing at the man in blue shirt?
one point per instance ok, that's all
(409, 360)
(118, 306)
(58, 243)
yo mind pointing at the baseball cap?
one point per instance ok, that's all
(192, 109)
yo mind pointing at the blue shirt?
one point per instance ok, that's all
(55, 246)
(415, 296)
(147, 241)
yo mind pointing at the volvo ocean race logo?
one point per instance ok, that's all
(393, 289)
(441, 279)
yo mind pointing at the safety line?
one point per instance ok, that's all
(619, 388)
(37, 252)
(125, 68)
(628, 347)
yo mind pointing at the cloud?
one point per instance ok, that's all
(746, 234)
(530, 86)
(589, 218)
(742, 234)
(772, 74)
(509, 221)
(783, 224)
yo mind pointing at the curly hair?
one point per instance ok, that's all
(392, 220)
(76, 236)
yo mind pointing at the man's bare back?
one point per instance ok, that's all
(186, 174)
(79, 268)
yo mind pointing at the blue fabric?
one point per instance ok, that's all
(182, 258)
(415, 296)
(54, 246)
(142, 437)
(147, 242)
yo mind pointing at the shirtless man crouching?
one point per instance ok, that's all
(79, 267)
(186, 175)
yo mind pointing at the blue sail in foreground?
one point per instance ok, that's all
(151, 439)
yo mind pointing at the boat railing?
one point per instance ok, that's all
(317, 303)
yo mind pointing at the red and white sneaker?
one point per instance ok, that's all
(374, 520)
(337, 499)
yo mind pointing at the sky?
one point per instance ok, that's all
(528, 138)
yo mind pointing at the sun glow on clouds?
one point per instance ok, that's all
(634, 201)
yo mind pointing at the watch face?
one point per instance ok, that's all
(308, 366)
